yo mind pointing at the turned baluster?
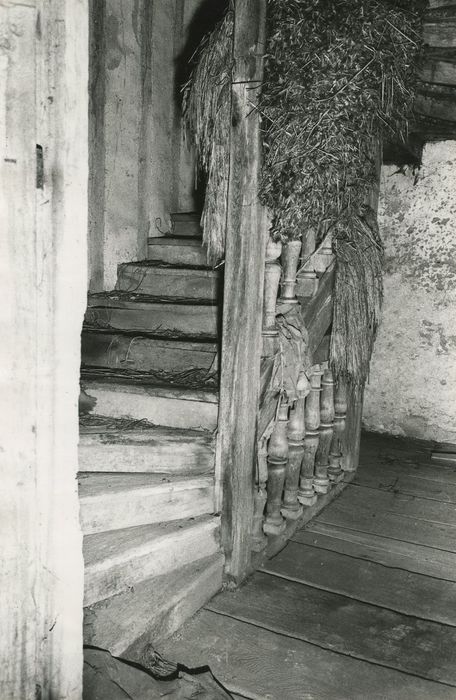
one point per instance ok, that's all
(290, 260)
(291, 508)
(259, 540)
(274, 524)
(321, 481)
(272, 274)
(307, 278)
(335, 471)
(306, 493)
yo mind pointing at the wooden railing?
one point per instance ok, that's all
(301, 440)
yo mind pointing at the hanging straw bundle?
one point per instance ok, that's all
(339, 77)
(207, 111)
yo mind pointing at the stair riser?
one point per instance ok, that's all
(177, 255)
(159, 504)
(153, 559)
(190, 459)
(189, 227)
(160, 319)
(168, 282)
(139, 354)
(159, 410)
(153, 609)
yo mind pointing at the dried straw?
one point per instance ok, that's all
(207, 110)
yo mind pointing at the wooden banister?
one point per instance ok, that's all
(274, 523)
(291, 507)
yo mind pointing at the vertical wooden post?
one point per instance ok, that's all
(271, 285)
(335, 471)
(44, 172)
(290, 259)
(307, 279)
(259, 540)
(306, 494)
(321, 481)
(296, 431)
(243, 294)
(274, 524)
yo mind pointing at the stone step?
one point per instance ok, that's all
(186, 224)
(109, 445)
(177, 251)
(117, 501)
(159, 358)
(144, 277)
(118, 560)
(152, 609)
(168, 406)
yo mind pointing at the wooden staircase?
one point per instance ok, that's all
(147, 453)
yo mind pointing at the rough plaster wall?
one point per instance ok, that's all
(412, 388)
(132, 121)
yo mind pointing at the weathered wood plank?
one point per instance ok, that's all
(172, 282)
(416, 484)
(434, 70)
(117, 501)
(436, 103)
(117, 560)
(178, 408)
(394, 525)
(377, 502)
(138, 353)
(149, 449)
(383, 550)
(441, 34)
(420, 647)
(133, 314)
(152, 609)
(263, 664)
(395, 589)
(243, 294)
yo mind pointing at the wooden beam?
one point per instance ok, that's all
(243, 293)
(436, 102)
(44, 141)
(438, 70)
(440, 33)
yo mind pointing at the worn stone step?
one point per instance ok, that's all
(154, 356)
(152, 609)
(116, 501)
(110, 445)
(168, 406)
(159, 317)
(145, 277)
(118, 560)
(173, 250)
(186, 224)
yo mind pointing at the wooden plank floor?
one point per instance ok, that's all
(362, 602)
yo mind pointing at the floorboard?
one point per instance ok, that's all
(395, 589)
(264, 665)
(360, 604)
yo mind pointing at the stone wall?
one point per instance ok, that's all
(412, 387)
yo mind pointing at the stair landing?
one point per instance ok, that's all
(360, 604)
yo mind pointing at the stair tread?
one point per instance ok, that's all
(150, 389)
(96, 484)
(135, 432)
(182, 343)
(175, 241)
(115, 298)
(185, 216)
(154, 608)
(116, 560)
(161, 268)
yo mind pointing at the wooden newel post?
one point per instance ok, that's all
(291, 508)
(307, 277)
(290, 259)
(335, 471)
(306, 493)
(259, 540)
(321, 481)
(274, 524)
(272, 274)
